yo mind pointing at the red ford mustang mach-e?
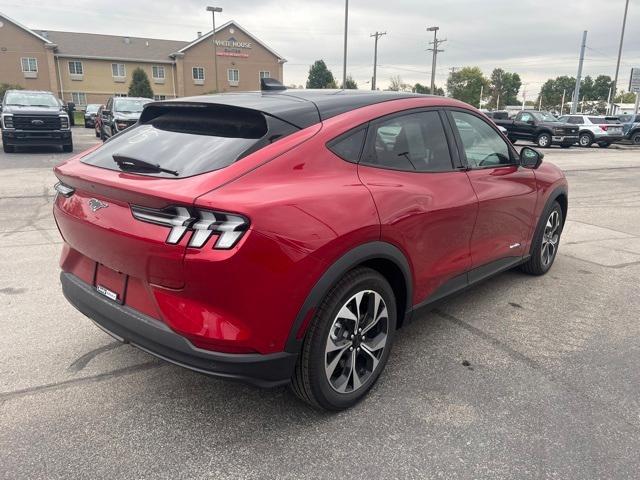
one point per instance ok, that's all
(284, 236)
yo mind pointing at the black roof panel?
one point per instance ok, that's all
(301, 108)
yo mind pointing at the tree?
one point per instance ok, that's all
(7, 86)
(140, 86)
(320, 76)
(503, 88)
(419, 88)
(466, 85)
(625, 97)
(350, 84)
(601, 86)
(552, 90)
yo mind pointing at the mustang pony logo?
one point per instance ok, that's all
(95, 204)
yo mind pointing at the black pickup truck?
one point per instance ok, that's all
(540, 127)
(34, 118)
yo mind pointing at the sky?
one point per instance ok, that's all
(538, 39)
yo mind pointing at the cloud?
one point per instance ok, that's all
(538, 39)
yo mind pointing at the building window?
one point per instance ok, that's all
(159, 97)
(233, 75)
(120, 95)
(118, 70)
(265, 74)
(198, 73)
(75, 68)
(79, 98)
(157, 71)
(29, 65)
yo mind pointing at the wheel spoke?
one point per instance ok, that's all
(369, 353)
(359, 314)
(331, 367)
(354, 371)
(332, 346)
(376, 343)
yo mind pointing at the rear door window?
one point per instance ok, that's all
(413, 142)
(349, 146)
(191, 139)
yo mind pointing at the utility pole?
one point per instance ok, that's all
(375, 57)
(436, 43)
(213, 11)
(524, 96)
(615, 81)
(344, 60)
(562, 107)
(576, 92)
(540, 102)
(481, 92)
(609, 100)
(498, 102)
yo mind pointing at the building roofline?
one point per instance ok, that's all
(244, 30)
(26, 29)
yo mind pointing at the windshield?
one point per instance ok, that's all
(544, 117)
(31, 99)
(92, 108)
(130, 105)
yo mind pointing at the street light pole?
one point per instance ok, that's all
(576, 92)
(344, 60)
(213, 11)
(375, 57)
(615, 81)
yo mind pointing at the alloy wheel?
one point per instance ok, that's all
(356, 341)
(585, 140)
(550, 238)
(544, 141)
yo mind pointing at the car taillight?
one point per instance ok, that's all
(202, 223)
(121, 125)
(7, 121)
(604, 127)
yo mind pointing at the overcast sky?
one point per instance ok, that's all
(536, 38)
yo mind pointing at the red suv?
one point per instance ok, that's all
(284, 236)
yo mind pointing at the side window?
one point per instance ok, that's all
(415, 142)
(576, 120)
(482, 145)
(349, 146)
(526, 117)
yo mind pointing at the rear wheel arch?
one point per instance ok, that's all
(382, 257)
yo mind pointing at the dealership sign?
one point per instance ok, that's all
(232, 48)
(634, 82)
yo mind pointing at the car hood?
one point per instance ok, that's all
(127, 116)
(32, 110)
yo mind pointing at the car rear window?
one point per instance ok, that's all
(191, 139)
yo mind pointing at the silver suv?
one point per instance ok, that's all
(595, 129)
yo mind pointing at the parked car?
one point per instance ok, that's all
(34, 118)
(631, 127)
(497, 114)
(594, 129)
(97, 124)
(285, 236)
(90, 115)
(540, 127)
(120, 113)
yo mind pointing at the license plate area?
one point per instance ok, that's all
(110, 283)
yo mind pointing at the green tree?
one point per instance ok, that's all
(503, 88)
(140, 86)
(625, 97)
(601, 86)
(7, 86)
(466, 85)
(552, 90)
(350, 84)
(320, 76)
(419, 88)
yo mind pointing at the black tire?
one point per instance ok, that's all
(103, 137)
(310, 382)
(67, 148)
(604, 144)
(8, 148)
(635, 138)
(536, 265)
(544, 140)
(585, 140)
(86, 125)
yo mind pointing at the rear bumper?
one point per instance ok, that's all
(156, 338)
(36, 138)
(564, 139)
(608, 138)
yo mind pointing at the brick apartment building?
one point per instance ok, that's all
(88, 68)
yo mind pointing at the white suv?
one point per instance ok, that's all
(594, 129)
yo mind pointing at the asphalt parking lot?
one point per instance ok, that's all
(551, 389)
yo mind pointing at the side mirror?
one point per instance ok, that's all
(106, 113)
(530, 157)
